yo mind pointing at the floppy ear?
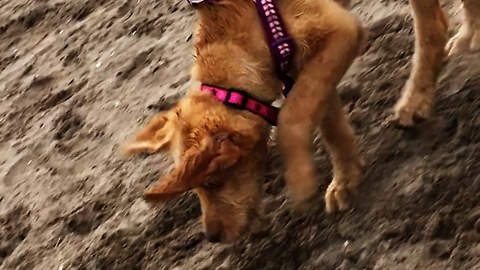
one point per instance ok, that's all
(216, 152)
(152, 138)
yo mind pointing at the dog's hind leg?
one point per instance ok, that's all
(468, 37)
(314, 101)
(431, 25)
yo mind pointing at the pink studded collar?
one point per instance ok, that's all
(241, 100)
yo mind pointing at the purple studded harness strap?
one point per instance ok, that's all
(282, 46)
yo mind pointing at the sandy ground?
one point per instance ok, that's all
(79, 77)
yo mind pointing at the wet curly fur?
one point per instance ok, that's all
(220, 152)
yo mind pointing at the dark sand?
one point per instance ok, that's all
(79, 77)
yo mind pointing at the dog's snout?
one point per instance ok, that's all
(213, 238)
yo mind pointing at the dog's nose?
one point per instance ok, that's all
(213, 238)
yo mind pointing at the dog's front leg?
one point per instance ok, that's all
(314, 101)
(431, 25)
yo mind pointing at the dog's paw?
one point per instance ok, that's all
(338, 197)
(343, 188)
(411, 110)
(466, 40)
(302, 187)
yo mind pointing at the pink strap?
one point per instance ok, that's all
(243, 101)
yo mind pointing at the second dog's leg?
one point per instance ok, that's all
(431, 25)
(313, 101)
(468, 37)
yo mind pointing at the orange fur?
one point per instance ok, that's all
(431, 48)
(468, 38)
(220, 152)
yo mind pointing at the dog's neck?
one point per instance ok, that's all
(222, 17)
(231, 51)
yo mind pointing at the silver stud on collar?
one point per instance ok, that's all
(196, 2)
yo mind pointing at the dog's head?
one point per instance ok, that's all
(219, 153)
(230, 196)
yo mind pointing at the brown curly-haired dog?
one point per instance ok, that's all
(220, 152)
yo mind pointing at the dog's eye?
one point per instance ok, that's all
(211, 185)
(221, 136)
